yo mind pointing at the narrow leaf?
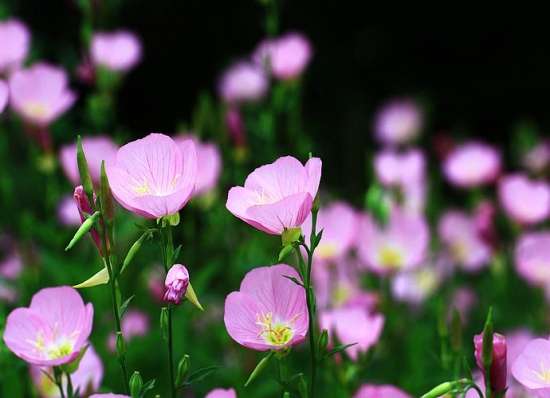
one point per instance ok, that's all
(192, 297)
(133, 250)
(86, 226)
(83, 170)
(285, 251)
(339, 348)
(100, 278)
(124, 306)
(259, 368)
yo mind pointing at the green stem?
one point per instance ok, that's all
(70, 390)
(58, 377)
(168, 254)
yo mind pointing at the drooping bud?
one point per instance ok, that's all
(136, 384)
(85, 210)
(176, 283)
(498, 363)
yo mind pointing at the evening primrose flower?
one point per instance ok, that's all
(153, 177)
(118, 51)
(532, 367)
(380, 391)
(3, 95)
(97, 149)
(524, 200)
(222, 393)
(269, 312)
(52, 330)
(15, 38)
(398, 121)
(176, 283)
(243, 82)
(277, 196)
(532, 258)
(87, 378)
(398, 246)
(472, 164)
(40, 94)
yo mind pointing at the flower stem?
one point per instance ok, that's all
(58, 377)
(168, 254)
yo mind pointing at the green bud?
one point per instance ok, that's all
(105, 197)
(286, 394)
(323, 341)
(120, 345)
(83, 170)
(133, 250)
(136, 384)
(259, 368)
(291, 235)
(302, 386)
(86, 226)
(183, 369)
(164, 323)
(171, 219)
(440, 390)
(487, 353)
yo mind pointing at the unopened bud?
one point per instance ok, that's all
(176, 283)
(136, 384)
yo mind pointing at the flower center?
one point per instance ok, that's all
(275, 333)
(459, 251)
(341, 294)
(35, 109)
(391, 257)
(58, 347)
(544, 374)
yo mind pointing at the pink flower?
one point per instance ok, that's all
(380, 391)
(498, 371)
(532, 258)
(277, 196)
(400, 245)
(134, 324)
(464, 299)
(287, 56)
(86, 378)
(176, 283)
(398, 121)
(516, 342)
(400, 169)
(53, 330)
(11, 265)
(96, 149)
(15, 38)
(3, 95)
(67, 212)
(353, 325)
(269, 312)
(339, 224)
(417, 285)
(153, 177)
(118, 51)
(472, 164)
(40, 94)
(222, 393)
(243, 82)
(209, 164)
(155, 283)
(532, 367)
(525, 201)
(460, 234)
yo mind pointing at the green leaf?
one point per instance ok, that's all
(339, 348)
(99, 278)
(105, 196)
(183, 369)
(148, 386)
(192, 297)
(86, 226)
(200, 374)
(285, 251)
(124, 306)
(83, 170)
(164, 323)
(259, 368)
(134, 249)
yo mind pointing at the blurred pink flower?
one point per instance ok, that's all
(277, 196)
(400, 168)
(96, 149)
(484, 219)
(134, 324)
(353, 325)
(269, 311)
(525, 201)
(118, 51)
(532, 367)
(458, 231)
(67, 212)
(400, 245)
(222, 393)
(417, 285)
(516, 342)
(537, 159)
(11, 265)
(7, 293)
(463, 300)
(40, 94)
(380, 391)
(286, 56)
(532, 258)
(3, 95)
(398, 122)
(235, 126)
(243, 82)
(15, 38)
(153, 177)
(155, 283)
(176, 283)
(209, 163)
(499, 370)
(472, 164)
(339, 224)
(53, 330)
(87, 378)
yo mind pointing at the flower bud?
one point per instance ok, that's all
(183, 370)
(136, 384)
(176, 282)
(84, 207)
(498, 363)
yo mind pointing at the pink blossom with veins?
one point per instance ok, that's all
(458, 231)
(118, 51)
(531, 368)
(153, 177)
(87, 378)
(269, 312)
(15, 38)
(277, 196)
(96, 149)
(338, 221)
(380, 391)
(400, 245)
(472, 164)
(524, 200)
(532, 258)
(398, 121)
(222, 393)
(4, 93)
(243, 82)
(52, 330)
(209, 163)
(40, 94)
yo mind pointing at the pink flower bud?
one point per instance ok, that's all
(176, 283)
(84, 208)
(498, 365)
